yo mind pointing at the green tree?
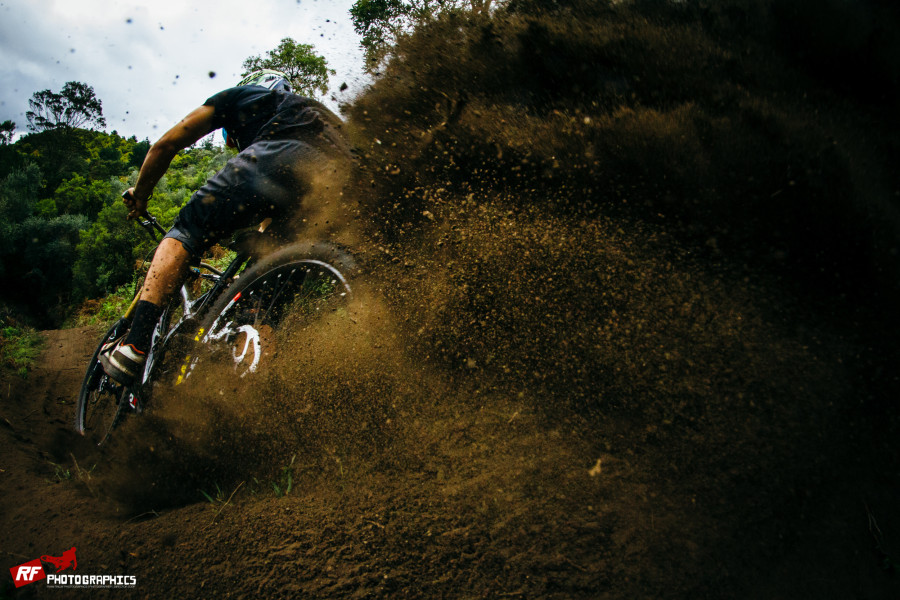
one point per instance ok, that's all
(48, 251)
(381, 23)
(139, 153)
(307, 71)
(18, 192)
(7, 131)
(36, 253)
(107, 253)
(81, 196)
(109, 250)
(63, 232)
(74, 106)
(63, 153)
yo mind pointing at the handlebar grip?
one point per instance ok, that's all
(148, 221)
(127, 195)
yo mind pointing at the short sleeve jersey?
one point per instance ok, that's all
(252, 113)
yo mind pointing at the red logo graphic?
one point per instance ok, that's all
(63, 562)
(28, 573)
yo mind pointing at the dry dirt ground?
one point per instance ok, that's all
(472, 498)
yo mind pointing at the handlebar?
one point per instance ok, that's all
(151, 224)
(147, 221)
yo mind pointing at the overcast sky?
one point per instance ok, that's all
(150, 62)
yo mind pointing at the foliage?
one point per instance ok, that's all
(36, 253)
(81, 196)
(219, 497)
(381, 23)
(17, 191)
(7, 131)
(102, 312)
(48, 252)
(285, 483)
(105, 253)
(19, 347)
(139, 153)
(75, 105)
(307, 71)
(63, 233)
(112, 246)
(60, 153)
(57, 152)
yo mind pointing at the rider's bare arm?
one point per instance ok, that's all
(190, 129)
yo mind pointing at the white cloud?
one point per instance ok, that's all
(149, 62)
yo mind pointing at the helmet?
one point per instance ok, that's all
(267, 78)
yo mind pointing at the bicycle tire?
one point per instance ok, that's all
(299, 277)
(101, 401)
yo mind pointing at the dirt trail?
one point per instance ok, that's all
(478, 497)
(625, 337)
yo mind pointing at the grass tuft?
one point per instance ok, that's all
(19, 347)
(285, 483)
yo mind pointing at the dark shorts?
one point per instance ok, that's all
(268, 179)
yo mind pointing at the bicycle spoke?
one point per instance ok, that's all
(282, 287)
(247, 320)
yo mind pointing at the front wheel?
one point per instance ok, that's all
(298, 281)
(101, 401)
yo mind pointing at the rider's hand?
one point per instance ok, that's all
(137, 208)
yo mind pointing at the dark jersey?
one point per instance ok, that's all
(252, 113)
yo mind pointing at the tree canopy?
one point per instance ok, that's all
(74, 106)
(307, 71)
(382, 22)
(63, 233)
(7, 131)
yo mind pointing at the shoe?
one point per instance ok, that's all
(122, 362)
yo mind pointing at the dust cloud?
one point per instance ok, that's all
(612, 304)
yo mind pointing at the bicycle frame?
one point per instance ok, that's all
(191, 307)
(225, 316)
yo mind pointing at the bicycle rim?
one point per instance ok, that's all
(245, 328)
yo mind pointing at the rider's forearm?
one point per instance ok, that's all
(155, 165)
(190, 129)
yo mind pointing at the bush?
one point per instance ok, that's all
(19, 347)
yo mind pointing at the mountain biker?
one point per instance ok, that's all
(286, 145)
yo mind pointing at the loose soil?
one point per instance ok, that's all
(630, 332)
(458, 493)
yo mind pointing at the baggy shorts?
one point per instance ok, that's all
(267, 179)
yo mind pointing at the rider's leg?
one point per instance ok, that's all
(264, 180)
(170, 265)
(167, 272)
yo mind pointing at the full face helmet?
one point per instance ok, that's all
(267, 78)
